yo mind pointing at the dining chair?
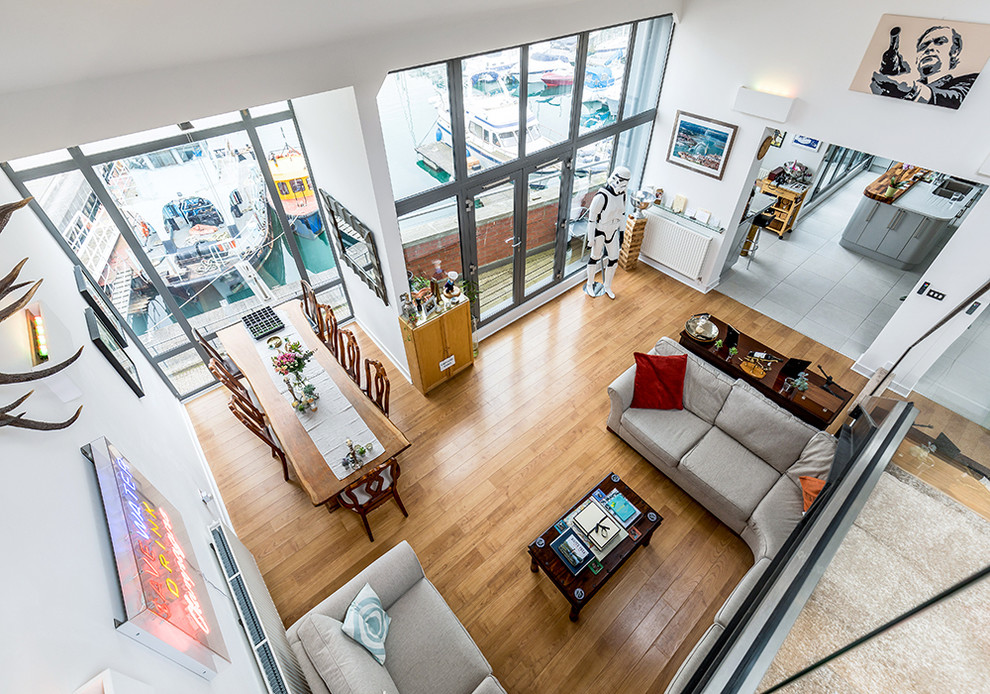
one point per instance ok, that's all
(254, 419)
(214, 353)
(222, 374)
(373, 490)
(350, 355)
(331, 331)
(377, 385)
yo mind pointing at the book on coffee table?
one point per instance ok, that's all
(622, 509)
(597, 525)
(572, 551)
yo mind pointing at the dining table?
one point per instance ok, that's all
(312, 468)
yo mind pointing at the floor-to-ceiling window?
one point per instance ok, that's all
(189, 227)
(494, 157)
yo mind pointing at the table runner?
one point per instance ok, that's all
(335, 419)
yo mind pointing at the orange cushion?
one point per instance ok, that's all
(811, 487)
(659, 382)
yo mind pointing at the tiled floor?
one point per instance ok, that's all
(808, 282)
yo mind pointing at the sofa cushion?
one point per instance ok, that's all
(815, 459)
(773, 434)
(489, 685)
(691, 663)
(343, 664)
(367, 622)
(775, 517)
(429, 651)
(668, 434)
(741, 592)
(659, 383)
(705, 387)
(737, 479)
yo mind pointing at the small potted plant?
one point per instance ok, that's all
(801, 381)
(718, 345)
(732, 352)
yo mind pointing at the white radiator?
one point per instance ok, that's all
(259, 618)
(675, 246)
(764, 172)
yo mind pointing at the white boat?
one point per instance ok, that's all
(492, 132)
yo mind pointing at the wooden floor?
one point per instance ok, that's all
(497, 455)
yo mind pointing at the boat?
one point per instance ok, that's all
(492, 133)
(563, 77)
(542, 62)
(288, 167)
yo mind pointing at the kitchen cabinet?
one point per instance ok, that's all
(439, 347)
(903, 229)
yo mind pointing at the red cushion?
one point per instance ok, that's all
(811, 487)
(659, 383)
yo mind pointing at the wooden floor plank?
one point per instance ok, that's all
(497, 454)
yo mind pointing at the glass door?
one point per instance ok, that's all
(494, 227)
(543, 194)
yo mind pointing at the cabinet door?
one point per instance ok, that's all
(900, 230)
(855, 226)
(429, 352)
(877, 227)
(922, 240)
(457, 335)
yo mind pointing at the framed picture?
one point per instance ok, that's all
(98, 300)
(928, 61)
(114, 352)
(355, 243)
(807, 142)
(778, 138)
(701, 144)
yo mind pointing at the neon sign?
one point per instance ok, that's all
(165, 596)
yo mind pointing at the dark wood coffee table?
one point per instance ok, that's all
(579, 589)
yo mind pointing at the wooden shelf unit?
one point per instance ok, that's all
(431, 343)
(785, 211)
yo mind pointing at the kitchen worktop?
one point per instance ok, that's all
(921, 200)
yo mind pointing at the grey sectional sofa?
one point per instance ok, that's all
(427, 650)
(736, 453)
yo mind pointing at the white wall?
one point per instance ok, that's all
(58, 580)
(778, 156)
(811, 51)
(61, 115)
(332, 132)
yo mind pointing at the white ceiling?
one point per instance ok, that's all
(49, 42)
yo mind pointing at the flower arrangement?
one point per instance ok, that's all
(292, 360)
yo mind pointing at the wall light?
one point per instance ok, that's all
(762, 104)
(38, 336)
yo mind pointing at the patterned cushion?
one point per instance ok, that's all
(367, 622)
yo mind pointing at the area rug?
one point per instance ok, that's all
(909, 543)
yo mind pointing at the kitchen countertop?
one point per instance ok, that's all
(920, 200)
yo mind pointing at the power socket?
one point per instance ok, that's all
(938, 296)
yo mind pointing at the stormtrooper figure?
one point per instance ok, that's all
(605, 215)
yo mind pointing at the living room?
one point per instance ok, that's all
(504, 447)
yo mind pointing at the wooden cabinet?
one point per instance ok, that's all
(785, 210)
(438, 348)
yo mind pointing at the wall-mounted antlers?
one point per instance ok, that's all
(9, 285)
(17, 420)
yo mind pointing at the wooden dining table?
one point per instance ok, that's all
(312, 470)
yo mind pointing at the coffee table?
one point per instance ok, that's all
(579, 589)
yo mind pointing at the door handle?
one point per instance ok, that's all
(517, 245)
(896, 220)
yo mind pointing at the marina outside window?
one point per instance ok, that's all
(409, 102)
(525, 235)
(491, 107)
(186, 230)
